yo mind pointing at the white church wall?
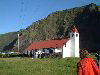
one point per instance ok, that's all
(72, 42)
(57, 50)
(77, 45)
(66, 50)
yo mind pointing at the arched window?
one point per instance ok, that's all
(76, 35)
(72, 35)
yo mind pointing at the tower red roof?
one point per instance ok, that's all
(74, 29)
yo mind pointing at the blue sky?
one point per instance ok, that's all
(19, 14)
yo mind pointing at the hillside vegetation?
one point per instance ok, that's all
(57, 25)
(7, 39)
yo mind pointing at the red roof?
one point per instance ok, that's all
(74, 29)
(47, 44)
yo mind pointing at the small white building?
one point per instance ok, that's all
(69, 47)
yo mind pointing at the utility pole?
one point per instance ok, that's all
(18, 42)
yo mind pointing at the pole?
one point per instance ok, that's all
(18, 42)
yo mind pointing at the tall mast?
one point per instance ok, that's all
(18, 42)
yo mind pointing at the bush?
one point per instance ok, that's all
(55, 55)
(11, 55)
(4, 55)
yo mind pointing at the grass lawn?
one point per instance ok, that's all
(47, 66)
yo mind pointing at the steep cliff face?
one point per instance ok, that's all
(57, 25)
(88, 23)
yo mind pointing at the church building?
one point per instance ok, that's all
(68, 47)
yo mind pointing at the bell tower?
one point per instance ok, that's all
(74, 42)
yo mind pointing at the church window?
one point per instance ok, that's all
(72, 35)
(76, 35)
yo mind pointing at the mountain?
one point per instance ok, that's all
(57, 25)
(6, 39)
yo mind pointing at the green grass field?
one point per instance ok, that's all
(47, 66)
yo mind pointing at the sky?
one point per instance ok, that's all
(19, 14)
